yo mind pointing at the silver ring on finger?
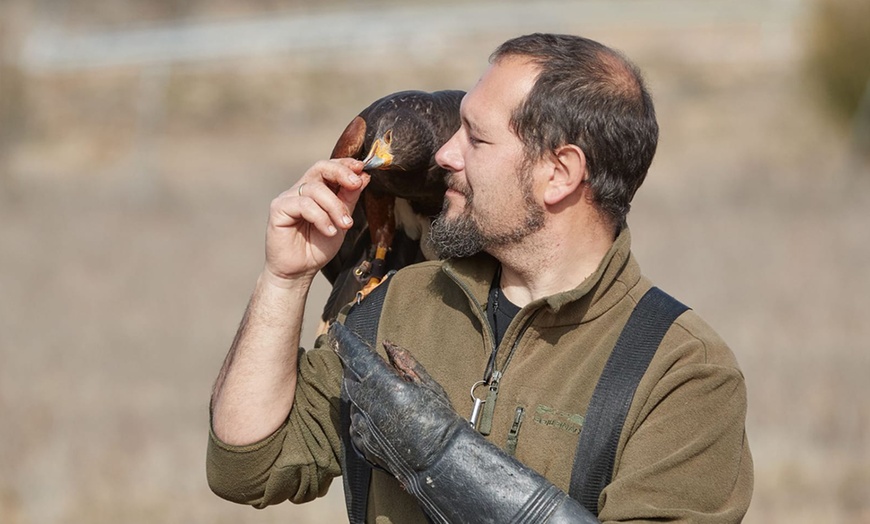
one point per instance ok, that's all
(299, 189)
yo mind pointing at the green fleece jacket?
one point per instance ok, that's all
(682, 456)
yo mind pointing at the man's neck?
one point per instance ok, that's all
(547, 264)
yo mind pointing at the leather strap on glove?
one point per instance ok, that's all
(402, 420)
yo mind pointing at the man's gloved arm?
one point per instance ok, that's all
(402, 420)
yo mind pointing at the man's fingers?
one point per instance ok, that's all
(354, 182)
(333, 185)
(351, 196)
(338, 173)
(288, 209)
(321, 196)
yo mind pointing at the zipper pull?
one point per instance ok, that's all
(514, 433)
(485, 424)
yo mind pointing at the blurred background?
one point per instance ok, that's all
(141, 142)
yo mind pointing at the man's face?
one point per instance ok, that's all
(490, 202)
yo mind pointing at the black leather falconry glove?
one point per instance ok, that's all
(402, 420)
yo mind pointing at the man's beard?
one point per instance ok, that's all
(463, 236)
(459, 237)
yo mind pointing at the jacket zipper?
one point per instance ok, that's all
(514, 433)
(485, 424)
(489, 336)
(492, 376)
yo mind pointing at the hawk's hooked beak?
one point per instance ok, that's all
(380, 156)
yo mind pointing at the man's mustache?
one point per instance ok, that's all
(454, 183)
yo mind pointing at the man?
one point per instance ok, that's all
(537, 285)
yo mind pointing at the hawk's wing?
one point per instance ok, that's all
(349, 145)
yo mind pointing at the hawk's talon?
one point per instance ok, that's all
(368, 288)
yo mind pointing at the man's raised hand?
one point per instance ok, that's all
(307, 222)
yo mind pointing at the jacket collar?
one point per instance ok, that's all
(616, 274)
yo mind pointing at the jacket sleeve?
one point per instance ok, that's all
(687, 458)
(299, 460)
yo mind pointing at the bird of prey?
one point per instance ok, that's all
(396, 137)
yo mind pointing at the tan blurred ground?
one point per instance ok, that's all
(130, 239)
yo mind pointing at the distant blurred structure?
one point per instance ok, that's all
(171, 55)
(353, 32)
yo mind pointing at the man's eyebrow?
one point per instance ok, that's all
(471, 126)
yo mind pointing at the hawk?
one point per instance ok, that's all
(396, 137)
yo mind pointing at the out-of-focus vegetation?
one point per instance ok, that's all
(839, 55)
(12, 108)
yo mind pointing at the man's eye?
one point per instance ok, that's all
(473, 140)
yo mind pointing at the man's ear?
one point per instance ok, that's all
(569, 172)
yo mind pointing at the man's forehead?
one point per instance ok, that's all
(500, 90)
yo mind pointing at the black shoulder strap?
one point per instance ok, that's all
(363, 320)
(638, 342)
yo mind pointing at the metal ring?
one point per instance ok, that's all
(474, 386)
(299, 189)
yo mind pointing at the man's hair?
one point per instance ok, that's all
(592, 96)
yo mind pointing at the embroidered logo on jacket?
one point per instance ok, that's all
(569, 422)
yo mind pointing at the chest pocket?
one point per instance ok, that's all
(546, 436)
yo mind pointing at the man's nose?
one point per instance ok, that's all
(449, 156)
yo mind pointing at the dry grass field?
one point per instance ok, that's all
(130, 239)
